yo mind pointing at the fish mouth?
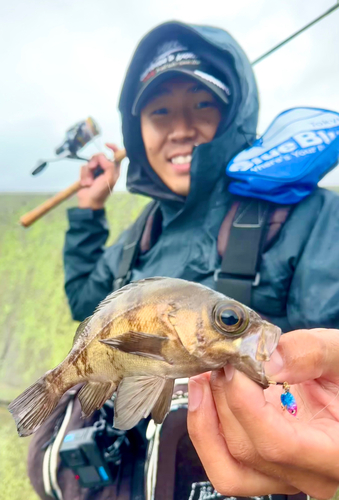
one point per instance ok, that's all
(256, 350)
(268, 341)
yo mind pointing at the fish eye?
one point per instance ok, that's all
(230, 318)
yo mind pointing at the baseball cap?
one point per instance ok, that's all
(173, 58)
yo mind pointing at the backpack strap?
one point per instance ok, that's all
(246, 231)
(131, 248)
(50, 462)
(161, 465)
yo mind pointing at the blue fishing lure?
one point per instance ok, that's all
(288, 401)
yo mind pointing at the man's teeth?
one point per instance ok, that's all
(181, 160)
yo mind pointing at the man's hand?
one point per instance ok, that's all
(95, 190)
(249, 446)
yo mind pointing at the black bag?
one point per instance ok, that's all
(51, 479)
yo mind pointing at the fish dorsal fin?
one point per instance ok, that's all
(126, 288)
(81, 329)
(136, 397)
(141, 344)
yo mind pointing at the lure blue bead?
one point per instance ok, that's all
(288, 401)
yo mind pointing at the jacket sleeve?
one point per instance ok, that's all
(89, 267)
(313, 299)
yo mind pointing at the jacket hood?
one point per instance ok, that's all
(237, 131)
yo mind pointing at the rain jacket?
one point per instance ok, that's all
(299, 285)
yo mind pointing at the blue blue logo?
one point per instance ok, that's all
(287, 162)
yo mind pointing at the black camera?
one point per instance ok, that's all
(94, 453)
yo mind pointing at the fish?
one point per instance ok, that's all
(139, 340)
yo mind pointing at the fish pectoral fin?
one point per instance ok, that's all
(141, 344)
(93, 395)
(136, 398)
(162, 406)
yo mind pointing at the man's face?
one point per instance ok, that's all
(180, 115)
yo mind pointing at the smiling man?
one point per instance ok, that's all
(189, 103)
(181, 107)
(179, 115)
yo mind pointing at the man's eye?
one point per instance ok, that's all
(160, 111)
(206, 104)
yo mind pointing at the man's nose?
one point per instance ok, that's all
(182, 128)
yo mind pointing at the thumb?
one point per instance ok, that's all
(119, 154)
(305, 355)
(111, 146)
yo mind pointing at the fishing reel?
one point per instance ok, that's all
(76, 138)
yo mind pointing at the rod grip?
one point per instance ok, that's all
(27, 219)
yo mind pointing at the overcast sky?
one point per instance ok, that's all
(64, 60)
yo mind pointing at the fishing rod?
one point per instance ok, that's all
(83, 132)
(312, 23)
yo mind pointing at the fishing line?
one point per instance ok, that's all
(324, 407)
(109, 188)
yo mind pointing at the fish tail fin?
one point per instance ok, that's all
(31, 408)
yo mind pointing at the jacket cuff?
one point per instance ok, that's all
(85, 214)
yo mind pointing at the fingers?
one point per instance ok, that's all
(112, 146)
(100, 160)
(86, 176)
(245, 451)
(119, 154)
(307, 455)
(110, 169)
(228, 476)
(307, 355)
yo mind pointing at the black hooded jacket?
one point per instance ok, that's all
(299, 285)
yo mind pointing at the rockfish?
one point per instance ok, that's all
(139, 340)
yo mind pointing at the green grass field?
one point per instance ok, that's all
(35, 323)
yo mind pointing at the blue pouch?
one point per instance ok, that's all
(287, 162)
